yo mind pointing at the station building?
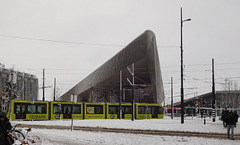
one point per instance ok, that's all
(113, 81)
(223, 99)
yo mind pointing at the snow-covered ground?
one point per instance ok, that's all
(62, 137)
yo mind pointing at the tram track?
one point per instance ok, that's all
(136, 131)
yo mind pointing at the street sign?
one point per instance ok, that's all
(74, 98)
(32, 100)
(112, 116)
(57, 116)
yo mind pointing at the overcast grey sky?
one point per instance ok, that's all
(78, 27)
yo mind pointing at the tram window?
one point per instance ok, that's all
(56, 109)
(128, 110)
(41, 109)
(23, 108)
(67, 109)
(160, 110)
(98, 109)
(155, 110)
(94, 109)
(77, 109)
(19, 108)
(147, 110)
(141, 109)
(113, 109)
(31, 109)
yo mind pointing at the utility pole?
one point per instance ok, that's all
(172, 98)
(133, 90)
(120, 96)
(54, 90)
(43, 87)
(43, 84)
(72, 112)
(213, 93)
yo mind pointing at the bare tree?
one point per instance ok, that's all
(96, 94)
(231, 97)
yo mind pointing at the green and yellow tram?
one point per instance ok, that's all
(24, 110)
(63, 110)
(94, 110)
(45, 110)
(112, 111)
(149, 111)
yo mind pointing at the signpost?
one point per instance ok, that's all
(59, 115)
(73, 99)
(32, 102)
(13, 81)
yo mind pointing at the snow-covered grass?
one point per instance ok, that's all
(190, 124)
(81, 137)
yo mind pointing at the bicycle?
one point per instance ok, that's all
(21, 138)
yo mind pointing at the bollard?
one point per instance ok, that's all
(213, 115)
(204, 116)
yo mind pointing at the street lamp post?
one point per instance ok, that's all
(182, 93)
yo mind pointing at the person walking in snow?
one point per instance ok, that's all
(224, 116)
(236, 117)
(5, 125)
(230, 122)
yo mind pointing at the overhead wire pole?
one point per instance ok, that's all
(213, 93)
(133, 90)
(120, 96)
(72, 97)
(43, 84)
(54, 90)
(181, 89)
(43, 87)
(171, 97)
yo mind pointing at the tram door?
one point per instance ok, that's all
(126, 112)
(20, 110)
(155, 112)
(67, 111)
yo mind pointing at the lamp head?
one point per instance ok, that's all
(186, 20)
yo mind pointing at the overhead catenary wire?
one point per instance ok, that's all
(113, 45)
(73, 42)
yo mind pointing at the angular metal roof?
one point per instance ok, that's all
(105, 80)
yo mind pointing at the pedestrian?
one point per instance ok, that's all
(5, 125)
(230, 121)
(236, 117)
(224, 116)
